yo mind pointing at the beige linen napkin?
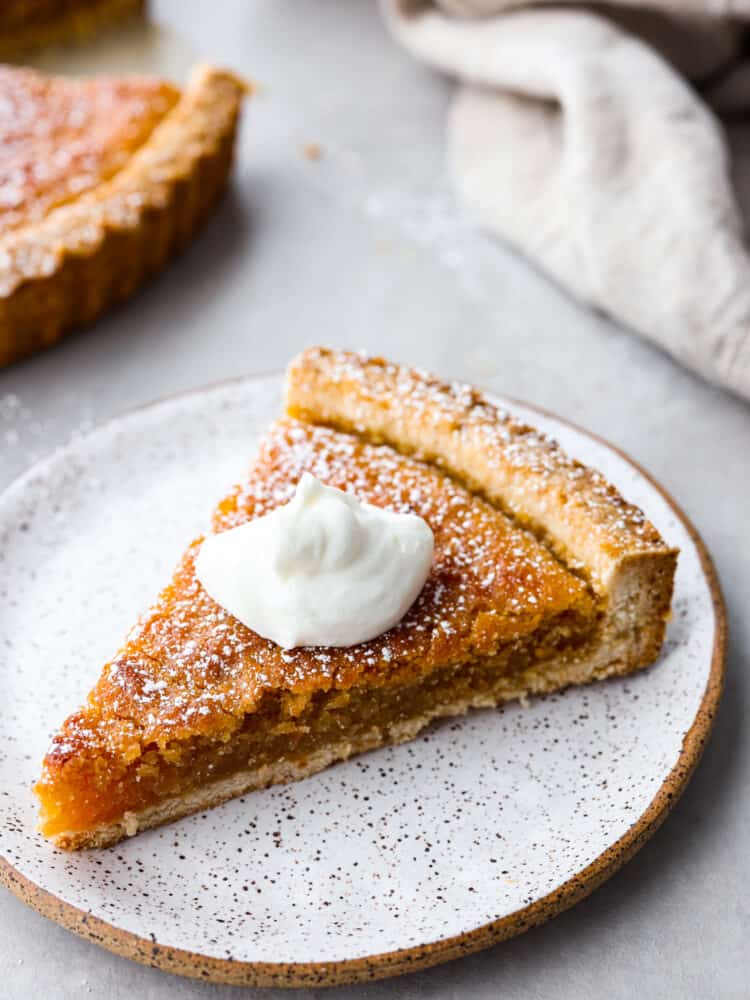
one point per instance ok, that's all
(577, 137)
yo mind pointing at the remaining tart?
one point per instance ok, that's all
(101, 181)
(543, 576)
(32, 24)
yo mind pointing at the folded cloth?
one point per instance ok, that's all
(577, 137)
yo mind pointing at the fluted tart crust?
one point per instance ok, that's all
(102, 181)
(196, 708)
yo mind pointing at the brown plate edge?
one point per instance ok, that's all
(372, 967)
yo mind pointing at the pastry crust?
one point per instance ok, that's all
(197, 708)
(63, 271)
(23, 28)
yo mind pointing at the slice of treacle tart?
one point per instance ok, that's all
(542, 577)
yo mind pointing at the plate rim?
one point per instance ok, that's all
(392, 963)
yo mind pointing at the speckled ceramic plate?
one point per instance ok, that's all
(399, 859)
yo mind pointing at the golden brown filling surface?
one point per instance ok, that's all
(60, 138)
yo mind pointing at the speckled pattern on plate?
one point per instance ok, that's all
(488, 820)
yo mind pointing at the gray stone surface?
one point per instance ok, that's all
(365, 248)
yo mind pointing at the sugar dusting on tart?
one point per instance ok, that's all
(460, 408)
(60, 138)
(189, 661)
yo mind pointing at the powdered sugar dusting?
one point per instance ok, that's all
(27, 430)
(62, 137)
(456, 426)
(189, 663)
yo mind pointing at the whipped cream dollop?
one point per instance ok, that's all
(323, 570)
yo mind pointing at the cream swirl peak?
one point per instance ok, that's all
(323, 570)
